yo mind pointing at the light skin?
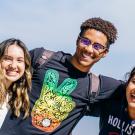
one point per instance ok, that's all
(12, 64)
(130, 95)
(86, 56)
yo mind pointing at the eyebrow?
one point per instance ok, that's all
(12, 57)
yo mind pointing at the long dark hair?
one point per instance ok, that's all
(130, 75)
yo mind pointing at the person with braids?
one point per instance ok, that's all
(61, 83)
(15, 81)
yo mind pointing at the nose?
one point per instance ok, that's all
(89, 49)
(13, 64)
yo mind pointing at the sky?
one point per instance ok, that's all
(55, 24)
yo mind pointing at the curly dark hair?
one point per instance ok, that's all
(101, 25)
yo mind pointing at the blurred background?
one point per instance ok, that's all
(55, 24)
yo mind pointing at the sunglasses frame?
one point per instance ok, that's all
(101, 47)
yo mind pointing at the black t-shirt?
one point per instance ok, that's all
(114, 119)
(59, 97)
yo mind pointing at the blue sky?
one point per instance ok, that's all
(55, 24)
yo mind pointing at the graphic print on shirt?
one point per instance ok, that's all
(54, 103)
(121, 125)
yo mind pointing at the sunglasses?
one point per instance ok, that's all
(96, 46)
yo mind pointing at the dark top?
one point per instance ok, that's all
(114, 119)
(59, 98)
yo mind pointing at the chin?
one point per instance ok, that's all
(12, 79)
(86, 63)
(132, 104)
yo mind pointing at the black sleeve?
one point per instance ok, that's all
(103, 107)
(35, 54)
(95, 109)
(109, 89)
(109, 86)
(119, 93)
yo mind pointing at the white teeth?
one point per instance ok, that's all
(86, 54)
(133, 95)
(12, 73)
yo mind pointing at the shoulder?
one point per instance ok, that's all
(109, 86)
(37, 49)
(39, 54)
(61, 56)
(109, 82)
(36, 52)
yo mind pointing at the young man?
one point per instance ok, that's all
(60, 94)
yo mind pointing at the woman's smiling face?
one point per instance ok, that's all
(130, 92)
(12, 63)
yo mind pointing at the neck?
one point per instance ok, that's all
(7, 84)
(131, 111)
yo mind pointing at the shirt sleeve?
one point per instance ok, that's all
(110, 89)
(103, 107)
(35, 54)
